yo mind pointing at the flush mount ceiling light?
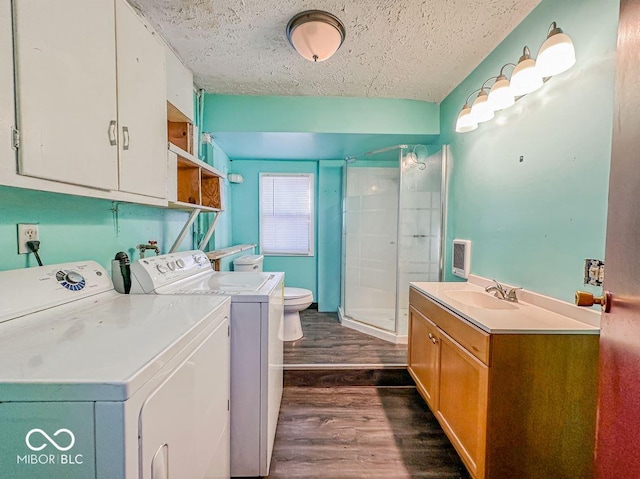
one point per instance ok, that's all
(556, 55)
(315, 35)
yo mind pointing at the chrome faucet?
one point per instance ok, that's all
(500, 292)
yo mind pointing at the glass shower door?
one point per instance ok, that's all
(419, 223)
(370, 242)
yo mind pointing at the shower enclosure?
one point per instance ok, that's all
(393, 219)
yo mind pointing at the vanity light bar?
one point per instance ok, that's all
(556, 55)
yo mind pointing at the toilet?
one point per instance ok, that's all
(295, 299)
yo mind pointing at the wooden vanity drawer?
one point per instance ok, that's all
(470, 337)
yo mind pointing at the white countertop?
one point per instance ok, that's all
(526, 317)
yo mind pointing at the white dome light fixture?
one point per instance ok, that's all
(465, 121)
(525, 78)
(316, 35)
(556, 54)
(481, 109)
(500, 95)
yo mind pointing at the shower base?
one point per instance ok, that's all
(377, 322)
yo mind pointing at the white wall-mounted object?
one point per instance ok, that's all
(235, 178)
(461, 258)
(87, 116)
(7, 113)
(179, 85)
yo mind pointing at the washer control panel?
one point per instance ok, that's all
(155, 271)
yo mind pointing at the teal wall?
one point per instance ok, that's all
(329, 249)
(319, 273)
(215, 156)
(74, 228)
(532, 223)
(300, 271)
(231, 113)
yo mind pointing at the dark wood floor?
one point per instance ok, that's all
(360, 432)
(326, 341)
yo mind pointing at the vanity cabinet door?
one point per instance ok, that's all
(65, 60)
(424, 356)
(462, 407)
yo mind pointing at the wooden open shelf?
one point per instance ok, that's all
(197, 183)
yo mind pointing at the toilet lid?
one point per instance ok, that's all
(295, 293)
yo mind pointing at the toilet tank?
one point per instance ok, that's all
(248, 263)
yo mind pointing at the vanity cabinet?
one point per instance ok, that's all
(91, 96)
(513, 404)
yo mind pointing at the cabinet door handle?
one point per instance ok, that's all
(125, 137)
(433, 338)
(112, 133)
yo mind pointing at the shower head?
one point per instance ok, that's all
(417, 155)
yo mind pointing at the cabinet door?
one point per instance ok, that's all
(424, 356)
(7, 113)
(463, 403)
(66, 95)
(142, 106)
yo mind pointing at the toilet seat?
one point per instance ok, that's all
(296, 293)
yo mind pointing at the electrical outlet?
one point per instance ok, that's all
(27, 232)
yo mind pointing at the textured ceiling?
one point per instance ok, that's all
(412, 49)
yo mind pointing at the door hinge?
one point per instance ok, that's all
(228, 404)
(15, 133)
(228, 330)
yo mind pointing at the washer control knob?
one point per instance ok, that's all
(198, 259)
(180, 263)
(161, 268)
(171, 265)
(74, 277)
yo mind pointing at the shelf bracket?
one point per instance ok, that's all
(185, 229)
(212, 227)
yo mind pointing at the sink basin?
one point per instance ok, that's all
(478, 299)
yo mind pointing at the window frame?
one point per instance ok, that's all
(312, 199)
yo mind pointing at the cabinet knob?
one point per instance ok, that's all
(584, 298)
(433, 338)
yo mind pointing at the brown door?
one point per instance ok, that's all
(618, 431)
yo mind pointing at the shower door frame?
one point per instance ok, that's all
(392, 336)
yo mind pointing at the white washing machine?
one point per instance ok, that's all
(257, 311)
(95, 384)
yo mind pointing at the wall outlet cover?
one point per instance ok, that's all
(27, 232)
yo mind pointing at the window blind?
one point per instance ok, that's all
(286, 214)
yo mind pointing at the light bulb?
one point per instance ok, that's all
(500, 95)
(556, 54)
(525, 78)
(465, 121)
(481, 109)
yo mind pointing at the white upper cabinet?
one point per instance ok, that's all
(7, 120)
(142, 106)
(91, 96)
(179, 86)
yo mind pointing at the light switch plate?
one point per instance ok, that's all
(593, 272)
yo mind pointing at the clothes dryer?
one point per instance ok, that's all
(95, 384)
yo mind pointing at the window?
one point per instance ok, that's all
(286, 214)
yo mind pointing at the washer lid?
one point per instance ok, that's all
(295, 293)
(101, 348)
